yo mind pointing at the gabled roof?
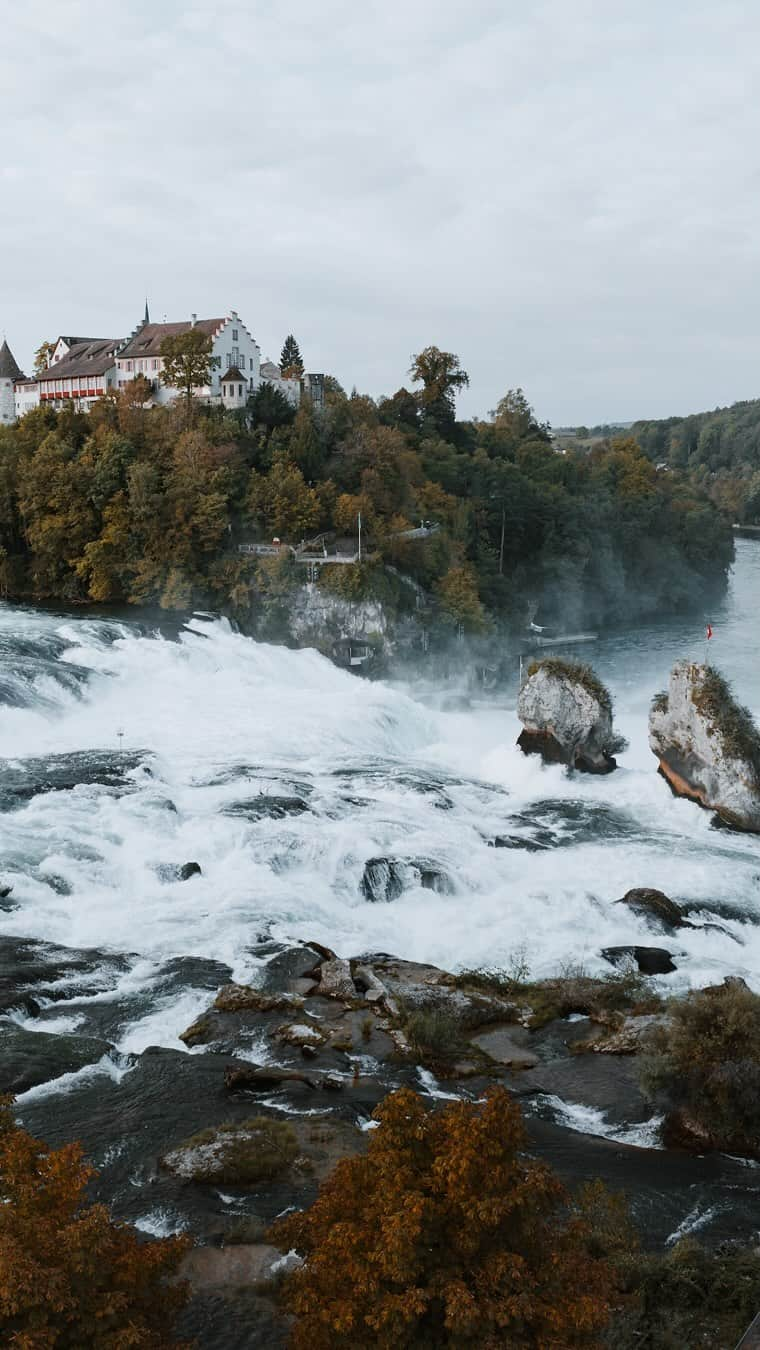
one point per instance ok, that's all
(92, 356)
(149, 336)
(9, 367)
(232, 374)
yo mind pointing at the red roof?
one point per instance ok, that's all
(147, 340)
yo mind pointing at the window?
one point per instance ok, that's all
(234, 335)
(129, 365)
(229, 360)
(240, 391)
(250, 358)
(155, 363)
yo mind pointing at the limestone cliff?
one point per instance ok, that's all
(566, 714)
(707, 745)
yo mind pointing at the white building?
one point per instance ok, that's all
(10, 371)
(81, 371)
(271, 374)
(231, 346)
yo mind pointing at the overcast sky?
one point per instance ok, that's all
(564, 192)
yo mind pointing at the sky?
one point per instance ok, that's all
(563, 192)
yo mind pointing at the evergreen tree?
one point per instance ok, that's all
(291, 361)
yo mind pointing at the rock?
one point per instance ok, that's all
(369, 985)
(187, 870)
(707, 746)
(236, 1152)
(335, 980)
(265, 805)
(242, 998)
(5, 891)
(239, 1265)
(288, 968)
(566, 714)
(517, 841)
(652, 904)
(300, 1034)
(506, 1045)
(385, 879)
(648, 960)
(28, 1058)
(626, 1039)
(250, 1078)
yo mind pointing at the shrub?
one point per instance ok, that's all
(69, 1276)
(702, 1067)
(445, 1233)
(435, 1034)
(687, 1297)
(712, 696)
(242, 1152)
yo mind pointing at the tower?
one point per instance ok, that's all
(10, 371)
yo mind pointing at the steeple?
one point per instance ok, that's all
(9, 367)
(147, 315)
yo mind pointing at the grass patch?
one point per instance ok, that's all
(435, 1034)
(241, 1152)
(571, 991)
(712, 696)
(577, 673)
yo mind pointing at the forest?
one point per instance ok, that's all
(146, 505)
(719, 451)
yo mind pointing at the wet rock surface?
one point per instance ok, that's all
(707, 746)
(28, 1058)
(648, 960)
(567, 717)
(319, 1062)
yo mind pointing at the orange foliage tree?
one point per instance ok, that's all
(444, 1234)
(70, 1277)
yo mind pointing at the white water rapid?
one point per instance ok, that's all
(126, 754)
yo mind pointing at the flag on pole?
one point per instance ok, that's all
(709, 631)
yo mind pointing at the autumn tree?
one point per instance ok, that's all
(444, 1234)
(282, 502)
(291, 361)
(70, 1277)
(42, 357)
(459, 600)
(187, 360)
(441, 377)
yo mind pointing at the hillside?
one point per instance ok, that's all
(720, 450)
(148, 505)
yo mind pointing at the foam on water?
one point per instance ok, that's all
(215, 720)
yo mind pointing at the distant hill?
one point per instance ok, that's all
(721, 449)
(725, 438)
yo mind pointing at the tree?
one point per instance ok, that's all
(444, 1234)
(187, 359)
(69, 1276)
(291, 362)
(441, 377)
(269, 408)
(43, 356)
(460, 602)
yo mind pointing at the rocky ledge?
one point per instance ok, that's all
(707, 745)
(566, 714)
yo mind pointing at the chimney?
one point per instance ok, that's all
(193, 320)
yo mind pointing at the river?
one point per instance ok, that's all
(127, 752)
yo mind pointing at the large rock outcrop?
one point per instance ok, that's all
(566, 714)
(707, 746)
